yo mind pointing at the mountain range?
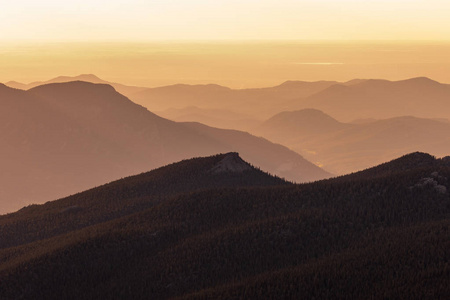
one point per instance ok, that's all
(347, 101)
(393, 116)
(381, 99)
(343, 148)
(121, 88)
(60, 138)
(218, 224)
(217, 228)
(206, 96)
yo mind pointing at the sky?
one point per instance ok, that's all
(245, 43)
(150, 20)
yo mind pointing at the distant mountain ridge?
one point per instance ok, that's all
(60, 138)
(348, 147)
(205, 96)
(307, 122)
(354, 99)
(121, 88)
(420, 97)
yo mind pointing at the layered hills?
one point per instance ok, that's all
(348, 147)
(372, 120)
(347, 101)
(381, 99)
(218, 228)
(60, 138)
(242, 108)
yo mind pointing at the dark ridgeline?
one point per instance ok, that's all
(216, 228)
(127, 196)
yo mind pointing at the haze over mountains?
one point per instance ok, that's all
(356, 99)
(405, 103)
(121, 88)
(346, 101)
(226, 150)
(204, 96)
(217, 228)
(347, 147)
(61, 138)
(220, 118)
(419, 97)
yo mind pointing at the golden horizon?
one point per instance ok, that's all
(249, 64)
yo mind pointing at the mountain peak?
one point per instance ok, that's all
(424, 80)
(411, 161)
(306, 118)
(407, 162)
(82, 77)
(77, 84)
(88, 76)
(231, 163)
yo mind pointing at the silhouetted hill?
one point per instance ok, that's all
(412, 161)
(343, 148)
(383, 234)
(61, 138)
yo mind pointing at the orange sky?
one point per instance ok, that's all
(236, 65)
(242, 43)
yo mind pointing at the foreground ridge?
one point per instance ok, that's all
(183, 231)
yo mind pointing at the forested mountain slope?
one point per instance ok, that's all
(382, 233)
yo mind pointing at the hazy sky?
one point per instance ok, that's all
(147, 20)
(228, 42)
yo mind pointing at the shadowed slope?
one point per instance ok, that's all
(128, 196)
(369, 236)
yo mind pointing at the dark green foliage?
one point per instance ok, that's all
(382, 234)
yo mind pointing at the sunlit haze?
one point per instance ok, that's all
(217, 149)
(235, 43)
(236, 65)
(141, 20)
